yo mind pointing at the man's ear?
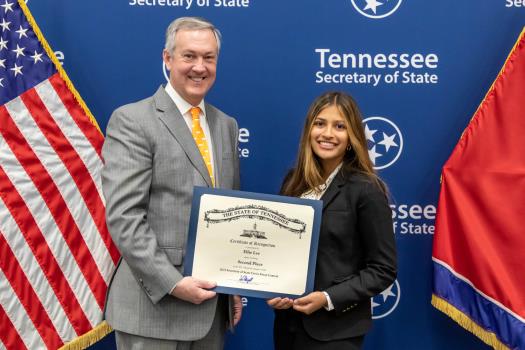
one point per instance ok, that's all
(166, 57)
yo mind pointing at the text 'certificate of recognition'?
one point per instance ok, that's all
(253, 244)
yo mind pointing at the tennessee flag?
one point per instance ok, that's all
(479, 243)
(56, 256)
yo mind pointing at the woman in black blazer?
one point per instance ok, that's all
(356, 256)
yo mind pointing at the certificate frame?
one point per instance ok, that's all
(247, 289)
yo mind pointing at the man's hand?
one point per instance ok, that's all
(194, 290)
(237, 309)
(280, 303)
(310, 303)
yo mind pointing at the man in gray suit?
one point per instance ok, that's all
(152, 163)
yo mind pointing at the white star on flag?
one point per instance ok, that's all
(1, 79)
(372, 5)
(5, 25)
(17, 70)
(388, 141)
(37, 57)
(3, 44)
(21, 32)
(19, 51)
(2, 63)
(8, 6)
(369, 133)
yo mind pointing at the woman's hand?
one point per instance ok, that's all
(280, 303)
(310, 303)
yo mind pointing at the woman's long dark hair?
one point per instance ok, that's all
(308, 173)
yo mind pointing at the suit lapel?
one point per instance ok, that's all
(174, 121)
(215, 131)
(333, 190)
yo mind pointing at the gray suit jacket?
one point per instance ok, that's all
(151, 166)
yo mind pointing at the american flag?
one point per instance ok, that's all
(56, 255)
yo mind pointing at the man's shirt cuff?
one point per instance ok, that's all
(329, 305)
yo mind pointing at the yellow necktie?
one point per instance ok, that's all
(200, 140)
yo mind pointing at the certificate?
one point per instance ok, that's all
(253, 244)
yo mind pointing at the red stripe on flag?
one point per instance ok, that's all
(32, 233)
(27, 296)
(74, 165)
(9, 335)
(56, 204)
(79, 116)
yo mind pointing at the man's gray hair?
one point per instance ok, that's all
(189, 23)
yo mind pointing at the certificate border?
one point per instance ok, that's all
(198, 192)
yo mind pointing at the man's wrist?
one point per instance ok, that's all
(172, 291)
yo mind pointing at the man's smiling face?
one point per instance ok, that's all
(193, 64)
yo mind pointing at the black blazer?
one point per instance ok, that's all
(356, 257)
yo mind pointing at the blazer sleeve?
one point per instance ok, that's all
(126, 181)
(374, 226)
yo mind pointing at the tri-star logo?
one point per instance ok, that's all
(376, 9)
(385, 302)
(385, 141)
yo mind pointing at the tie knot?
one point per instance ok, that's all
(195, 112)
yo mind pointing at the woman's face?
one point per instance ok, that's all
(329, 137)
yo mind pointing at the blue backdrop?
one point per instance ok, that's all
(418, 70)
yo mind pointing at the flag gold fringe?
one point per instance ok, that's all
(466, 322)
(89, 338)
(57, 63)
